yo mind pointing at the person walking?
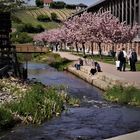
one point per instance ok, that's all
(133, 60)
(117, 60)
(122, 58)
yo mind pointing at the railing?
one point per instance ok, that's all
(30, 49)
(3, 70)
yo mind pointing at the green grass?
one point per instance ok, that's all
(138, 66)
(29, 16)
(53, 60)
(6, 119)
(38, 104)
(123, 95)
(26, 18)
(60, 64)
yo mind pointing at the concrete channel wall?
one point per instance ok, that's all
(101, 80)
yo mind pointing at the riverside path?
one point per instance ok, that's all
(132, 77)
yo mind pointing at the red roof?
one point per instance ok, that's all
(48, 1)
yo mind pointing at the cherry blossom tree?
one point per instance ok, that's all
(72, 27)
(78, 29)
(88, 27)
(116, 31)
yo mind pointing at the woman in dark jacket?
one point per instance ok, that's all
(133, 60)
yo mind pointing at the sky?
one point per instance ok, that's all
(87, 2)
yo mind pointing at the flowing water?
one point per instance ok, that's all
(95, 119)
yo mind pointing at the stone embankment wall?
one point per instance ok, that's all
(101, 80)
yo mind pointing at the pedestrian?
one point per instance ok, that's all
(98, 67)
(79, 64)
(93, 71)
(122, 58)
(133, 60)
(81, 61)
(85, 60)
(117, 60)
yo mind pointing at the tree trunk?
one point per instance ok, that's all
(100, 50)
(56, 47)
(113, 52)
(76, 47)
(65, 44)
(92, 49)
(83, 46)
(61, 46)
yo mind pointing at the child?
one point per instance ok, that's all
(118, 65)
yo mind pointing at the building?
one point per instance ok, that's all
(80, 7)
(125, 10)
(47, 2)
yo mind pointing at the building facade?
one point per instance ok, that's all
(125, 10)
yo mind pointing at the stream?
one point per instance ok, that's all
(95, 119)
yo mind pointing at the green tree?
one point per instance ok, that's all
(23, 37)
(54, 16)
(58, 4)
(39, 3)
(43, 18)
(29, 28)
(70, 6)
(9, 5)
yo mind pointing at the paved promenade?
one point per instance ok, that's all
(132, 77)
(131, 136)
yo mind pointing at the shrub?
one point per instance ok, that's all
(123, 95)
(16, 19)
(39, 28)
(29, 28)
(6, 118)
(58, 5)
(54, 16)
(43, 18)
(70, 6)
(39, 3)
(21, 38)
(53, 60)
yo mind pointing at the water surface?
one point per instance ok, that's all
(95, 119)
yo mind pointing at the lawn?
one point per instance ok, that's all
(26, 18)
(29, 16)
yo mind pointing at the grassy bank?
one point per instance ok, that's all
(30, 16)
(34, 105)
(53, 60)
(123, 95)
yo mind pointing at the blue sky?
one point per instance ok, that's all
(87, 2)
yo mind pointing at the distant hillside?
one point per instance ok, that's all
(61, 13)
(29, 16)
